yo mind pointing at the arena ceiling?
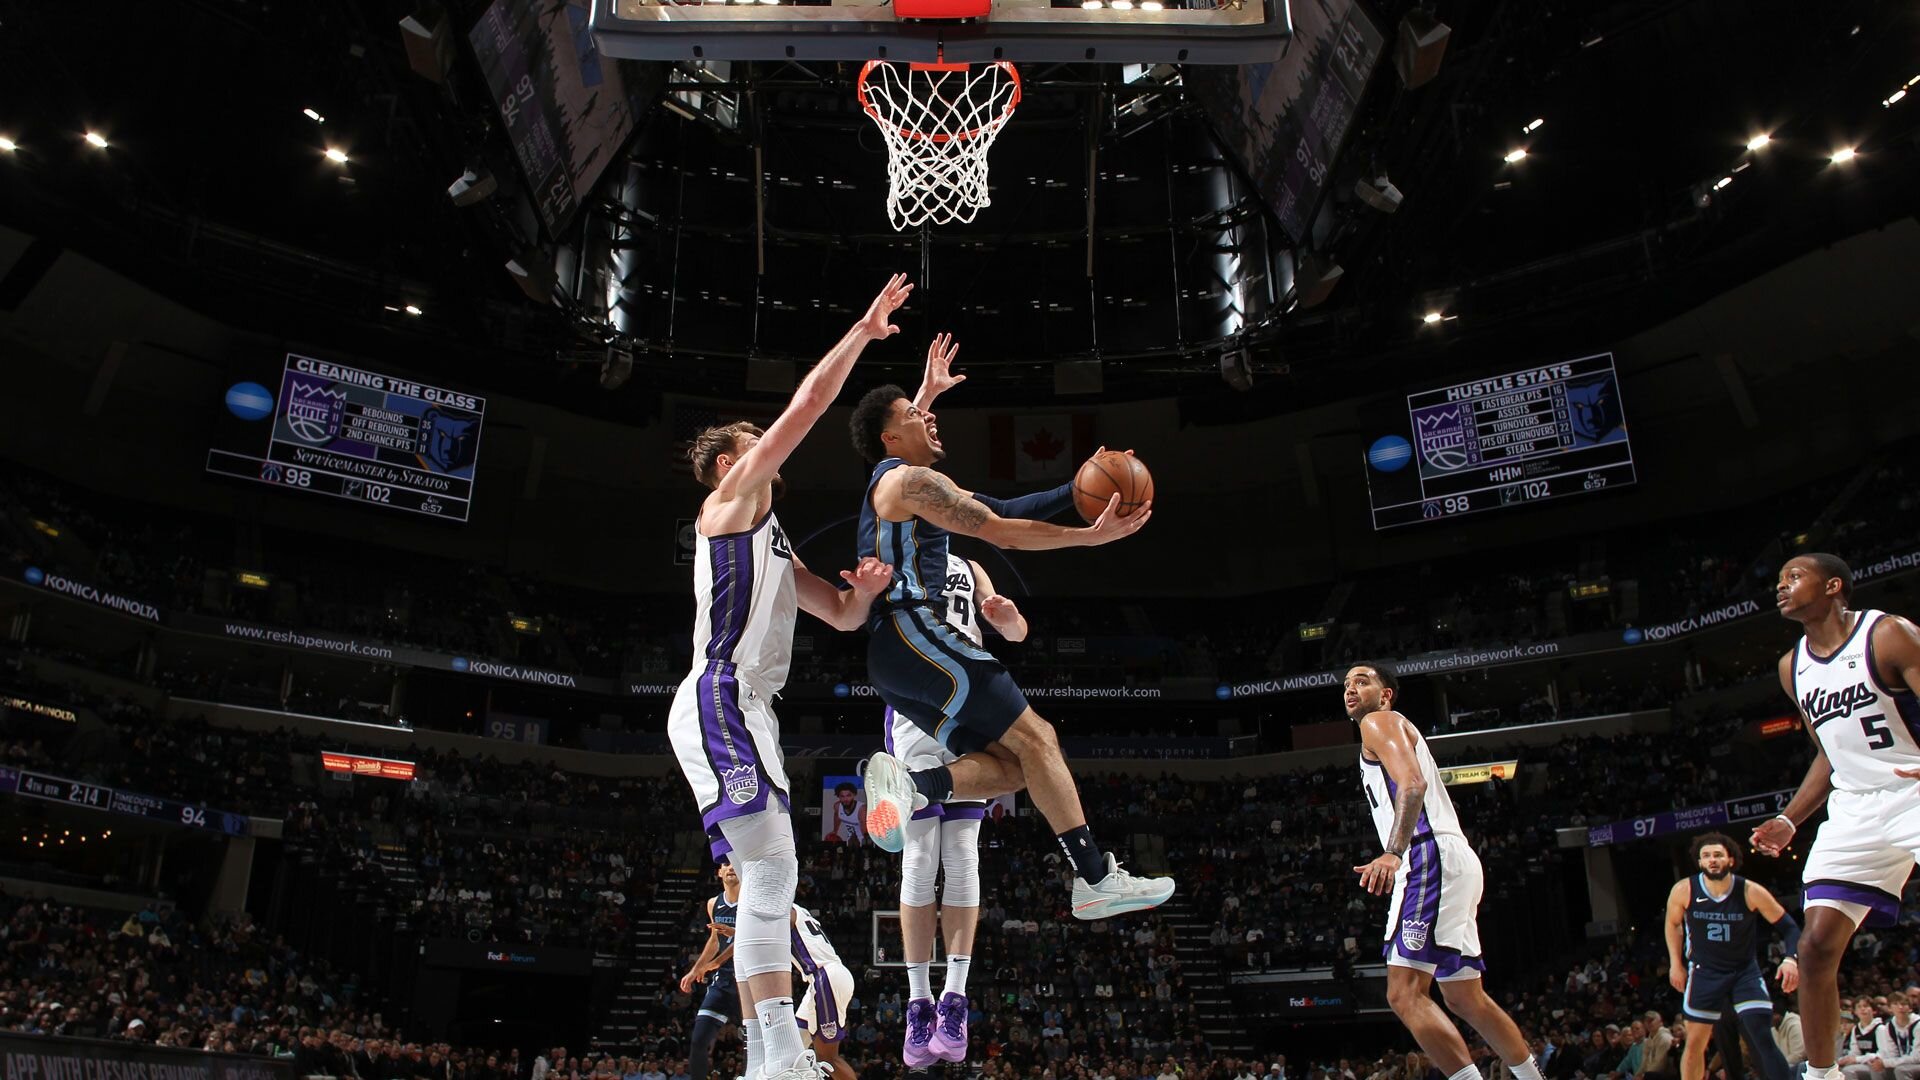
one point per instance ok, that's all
(1637, 197)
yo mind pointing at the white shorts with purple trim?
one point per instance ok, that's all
(727, 740)
(1433, 925)
(826, 1017)
(1864, 852)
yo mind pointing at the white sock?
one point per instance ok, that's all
(750, 1027)
(1527, 1070)
(920, 980)
(957, 965)
(1815, 1072)
(779, 1035)
(1469, 1072)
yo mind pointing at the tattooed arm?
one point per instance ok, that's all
(916, 491)
(1383, 737)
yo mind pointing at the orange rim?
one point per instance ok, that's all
(1006, 111)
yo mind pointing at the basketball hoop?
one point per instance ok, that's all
(939, 121)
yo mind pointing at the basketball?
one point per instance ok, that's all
(1105, 474)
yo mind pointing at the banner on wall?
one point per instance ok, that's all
(843, 810)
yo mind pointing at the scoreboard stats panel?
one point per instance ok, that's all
(358, 435)
(1522, 437)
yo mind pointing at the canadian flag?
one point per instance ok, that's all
(1039, 446)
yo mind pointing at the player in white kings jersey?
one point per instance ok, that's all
(1853, 676)
(944, 837)
(822, 1012)
(1432, 932)
(747, 584)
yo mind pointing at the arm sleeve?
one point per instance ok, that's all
(1038, 506)
(1789, 934)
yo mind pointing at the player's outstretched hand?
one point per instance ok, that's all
(874, 323)
(1377, 876)
(686, 983)
(870, 578)
(1677, 977)
(940, 377)
(1771, 837)
(1110, 526)
(1789, 974)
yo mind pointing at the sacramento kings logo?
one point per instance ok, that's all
(742, 783)
(1413, 934)
(829, 1030)
(313, 411)
(1442, 431)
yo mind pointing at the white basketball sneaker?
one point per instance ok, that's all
(891, 800)
(804, 1067)
(1118, 893)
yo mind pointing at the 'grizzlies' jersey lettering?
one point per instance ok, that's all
(725, 913)
(1720, 929)
(811, 950)
(745, 603)
(963, 607)
(1436, 810)
(1867, 729)
(916, 549)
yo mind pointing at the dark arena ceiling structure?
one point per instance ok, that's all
(738, 222)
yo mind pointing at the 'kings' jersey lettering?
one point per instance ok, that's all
(1867, 728)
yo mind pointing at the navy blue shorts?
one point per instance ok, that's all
(1710, 993)
(948, 686)
(722, 1001)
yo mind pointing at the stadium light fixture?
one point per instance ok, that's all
(8, 146)
(1516, 155)
(1722, 182)
(1431, 317)
(337, 155)
(413, 309)
(1844, 155)
(1894, 98)
(1759, 142)
(1538, 123)
(314, 116)
(97, 140)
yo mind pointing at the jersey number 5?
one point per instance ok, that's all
(1874, 727)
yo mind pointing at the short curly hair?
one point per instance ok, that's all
(1707, 840)
(870, 418)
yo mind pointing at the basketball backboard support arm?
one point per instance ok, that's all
(1230, 32)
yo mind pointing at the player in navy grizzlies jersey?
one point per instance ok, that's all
(747, 583)
(1433, 930)
(1853, 676)
(950, 687)
(1712, 917)
(721, 1004)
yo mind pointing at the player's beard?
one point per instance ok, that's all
(1720, 876)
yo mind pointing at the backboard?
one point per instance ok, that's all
(1057, 31)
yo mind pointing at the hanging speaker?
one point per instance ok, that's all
(1421, 45)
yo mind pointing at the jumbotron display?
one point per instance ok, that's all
(358, 435)
(1528, 435)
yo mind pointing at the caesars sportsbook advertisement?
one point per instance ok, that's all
(314, 427)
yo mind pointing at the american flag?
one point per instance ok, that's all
(692, 418)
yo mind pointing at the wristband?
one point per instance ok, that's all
(1788, 820)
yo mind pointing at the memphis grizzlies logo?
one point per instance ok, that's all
(1413, 934)
(742, 783)
(314, 411)
(1594, 409)
(447, 441)
(1442, 431)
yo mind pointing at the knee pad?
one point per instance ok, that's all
(767, 885)
(920, 862)
(960, 858)
(764, 854)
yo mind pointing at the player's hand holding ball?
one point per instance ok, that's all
(1114, 492)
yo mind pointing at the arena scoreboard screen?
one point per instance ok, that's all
(1522, 437)
(353, 434)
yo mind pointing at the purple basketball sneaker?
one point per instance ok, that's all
(918, 1052)
(949, 1042)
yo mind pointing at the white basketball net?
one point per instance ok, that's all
(939, 121)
